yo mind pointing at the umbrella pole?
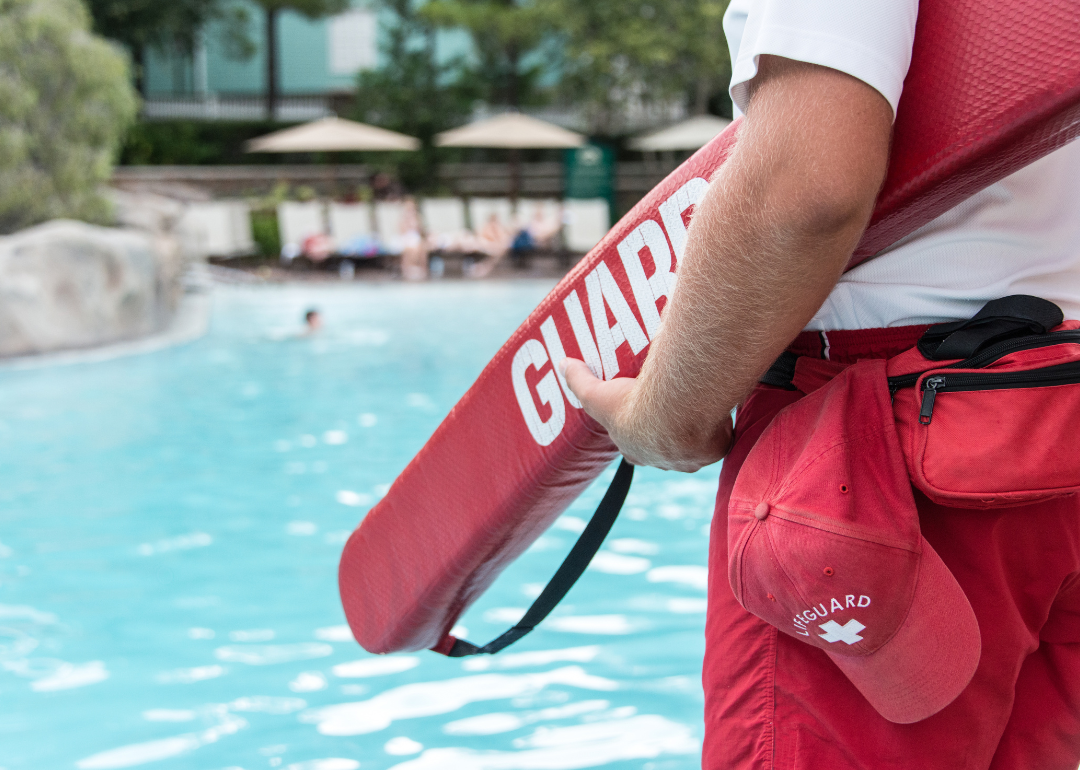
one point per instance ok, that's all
(515, 177)
(331, 176)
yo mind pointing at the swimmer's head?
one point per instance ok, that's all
(313, 319)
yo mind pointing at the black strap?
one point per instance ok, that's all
(782, 372)
(571, 569)
(999, 319)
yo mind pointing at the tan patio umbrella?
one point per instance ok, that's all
(333, 135)
(691, 134)
(512, 131)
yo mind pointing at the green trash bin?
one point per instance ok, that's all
(590, 173)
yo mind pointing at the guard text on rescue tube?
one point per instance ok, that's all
(598, 346)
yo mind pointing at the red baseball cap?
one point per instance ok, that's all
(824, 544)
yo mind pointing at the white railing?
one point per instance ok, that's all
(213, 107)
(633, 116)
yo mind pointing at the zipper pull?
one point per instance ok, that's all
(930, 389)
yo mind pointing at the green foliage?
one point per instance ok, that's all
(264, 230)
(313, 9)
(140, 24)
(504, 34)
(624, 51)
(172, 25)
(65, 101)
(416, 95)
(194, 143)
(608, 55)
(310, 8)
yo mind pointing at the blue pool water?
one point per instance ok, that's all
(170, 526)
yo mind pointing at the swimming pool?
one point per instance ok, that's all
(170, 526)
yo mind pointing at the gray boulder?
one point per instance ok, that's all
(66, 285)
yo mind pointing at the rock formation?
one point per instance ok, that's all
(67, 284)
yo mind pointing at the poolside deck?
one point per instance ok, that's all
(248, 269)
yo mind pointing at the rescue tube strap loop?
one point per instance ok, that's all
(575, 563)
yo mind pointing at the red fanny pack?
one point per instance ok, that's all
(987, 409)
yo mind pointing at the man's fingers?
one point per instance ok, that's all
(578, 377)
(589, 390)
(602, 400)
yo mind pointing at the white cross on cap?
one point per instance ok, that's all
(847, 633)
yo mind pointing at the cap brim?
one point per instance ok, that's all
(930, 659)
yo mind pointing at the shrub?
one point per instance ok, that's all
(264, 229)
(65, 101)
(197, 143)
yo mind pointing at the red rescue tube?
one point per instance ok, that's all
(993, 86)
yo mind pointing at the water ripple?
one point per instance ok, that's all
(429, 698)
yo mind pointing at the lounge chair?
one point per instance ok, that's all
(481, 209)
(296, 223)
(219, 228)
(549, 208)
(352, 231)
(388, 224)
(397, 225)
(444, 218)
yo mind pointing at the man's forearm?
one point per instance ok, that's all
(766, 246)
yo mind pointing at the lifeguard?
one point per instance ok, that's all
(992, 87)
(920, 685)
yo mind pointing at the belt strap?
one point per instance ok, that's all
(1014, 316)
(782, 372)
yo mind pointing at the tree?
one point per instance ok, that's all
(504, 33)
(174, 25)
(272, 9)
(621, 53)
(415, 94)
(610, 56)
(65, 101)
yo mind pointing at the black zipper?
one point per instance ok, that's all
(1062, 374)
(930, 391)
(988, 356)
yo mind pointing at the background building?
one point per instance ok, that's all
(318, 61)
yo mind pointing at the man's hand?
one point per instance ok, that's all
(612, 405)
(766, 246)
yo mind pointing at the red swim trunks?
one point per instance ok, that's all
(772, 701)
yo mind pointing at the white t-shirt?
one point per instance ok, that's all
(1019, 236)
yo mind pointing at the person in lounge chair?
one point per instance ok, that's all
(493, 240)
(410, 244)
